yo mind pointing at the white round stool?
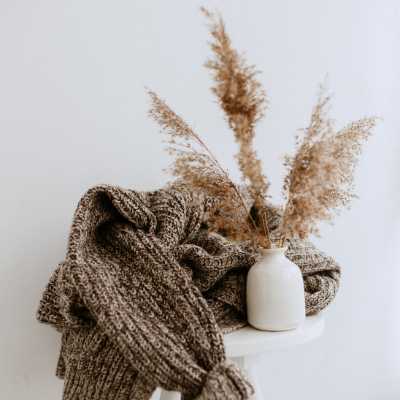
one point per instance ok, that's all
(246, 346)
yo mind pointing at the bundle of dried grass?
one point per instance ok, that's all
(320, 176)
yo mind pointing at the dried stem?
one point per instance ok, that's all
(280, 238)
(283, 242)
(262, 223)
(267, 229)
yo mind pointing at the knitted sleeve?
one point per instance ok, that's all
(121, 264)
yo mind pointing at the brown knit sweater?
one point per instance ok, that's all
(145, 295)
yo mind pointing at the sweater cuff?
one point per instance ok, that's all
(226, 381)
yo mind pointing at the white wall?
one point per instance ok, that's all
(73, 114)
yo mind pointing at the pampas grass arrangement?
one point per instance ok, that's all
(320, 176)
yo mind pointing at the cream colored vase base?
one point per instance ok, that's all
(275, 293)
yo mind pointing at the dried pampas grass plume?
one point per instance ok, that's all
(243, 101)
(310, 171)
(320, 179)
(197, 169)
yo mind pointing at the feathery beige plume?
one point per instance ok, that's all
(348, 145)
(241, 97)
(310, 172)
(197, 169)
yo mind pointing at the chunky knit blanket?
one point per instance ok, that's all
(145, 295)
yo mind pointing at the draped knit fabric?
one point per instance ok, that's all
(145, 295)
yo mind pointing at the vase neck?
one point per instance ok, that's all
(274, 252)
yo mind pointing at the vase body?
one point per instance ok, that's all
(275, 293)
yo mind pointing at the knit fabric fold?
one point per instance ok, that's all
(226, 380)
(145, 295)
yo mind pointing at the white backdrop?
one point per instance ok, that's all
(73, 114)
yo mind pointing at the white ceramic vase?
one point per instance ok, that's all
(275, 293)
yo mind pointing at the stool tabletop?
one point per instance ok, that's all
(250, 341)
(246, 346)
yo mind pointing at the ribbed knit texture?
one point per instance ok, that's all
(145, 295)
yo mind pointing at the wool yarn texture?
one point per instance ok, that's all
(145, 295)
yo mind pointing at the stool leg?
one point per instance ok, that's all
(156, 394)
(251, 375)
(165, 395)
